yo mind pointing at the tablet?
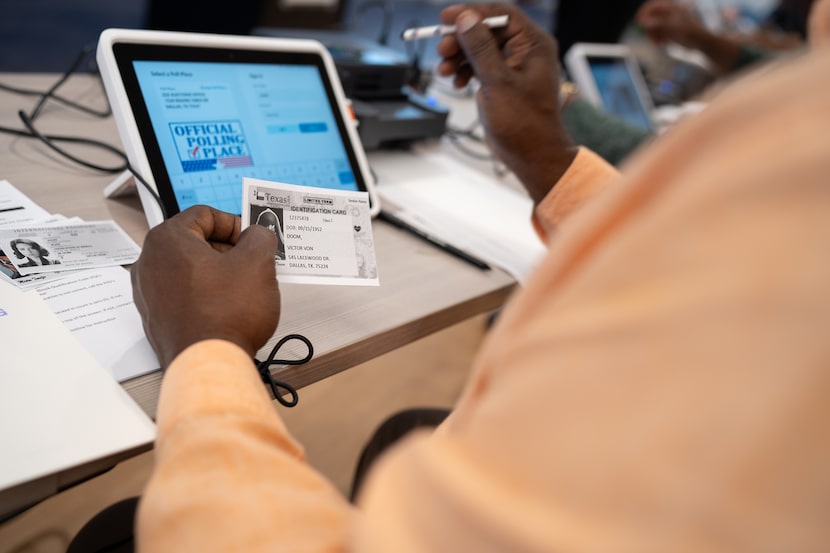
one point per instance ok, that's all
(608, 76)
(197, 113)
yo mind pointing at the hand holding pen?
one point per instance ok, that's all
(518, 101)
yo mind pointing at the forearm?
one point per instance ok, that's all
(537, 174)
(227, 471)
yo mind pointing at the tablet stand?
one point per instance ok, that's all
(121, 185)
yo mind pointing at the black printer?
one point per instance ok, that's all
(377, 80)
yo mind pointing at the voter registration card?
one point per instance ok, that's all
(324, 235)
(52, 248)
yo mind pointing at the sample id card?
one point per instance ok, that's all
(8, 270)
(324, 235)
(53, 248)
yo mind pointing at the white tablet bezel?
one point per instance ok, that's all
(128, 126)
(577, 63)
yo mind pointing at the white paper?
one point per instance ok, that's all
(97, 307)
(324, 235)
(16, 208)
(464, 208)
(58, 407)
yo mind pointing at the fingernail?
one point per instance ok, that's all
(466, 21)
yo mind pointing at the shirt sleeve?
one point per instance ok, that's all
(228, 475)
(585, 179)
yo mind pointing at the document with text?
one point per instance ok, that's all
(97, 307)
(16, 208)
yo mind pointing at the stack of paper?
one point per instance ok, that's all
(59, 409)
(463, 207)
(79, 277)
(62, 414)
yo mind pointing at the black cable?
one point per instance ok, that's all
(66, 74)
(60, 99)
(82, 55)
(49, 141)
(455, 136)
(278, 387)
(137, 176)
(455, 140)
(386, 19)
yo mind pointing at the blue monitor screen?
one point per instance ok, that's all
(619, 92)
(216, 123)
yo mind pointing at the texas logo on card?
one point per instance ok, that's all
(211, 145)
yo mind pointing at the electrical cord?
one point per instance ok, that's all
(60, 99)
(51, 140)
(455, 138)
(150, 190)
(79, 59)
(278, 387)
(386, 22)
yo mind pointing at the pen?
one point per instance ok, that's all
(437, 242)
(436, 30)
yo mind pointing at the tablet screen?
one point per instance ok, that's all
(618, 90)
(208, 118)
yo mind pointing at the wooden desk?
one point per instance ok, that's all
(422, 288)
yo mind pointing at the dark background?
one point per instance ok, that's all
(46, 35)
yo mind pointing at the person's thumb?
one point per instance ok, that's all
(256, 244)
(480, 47)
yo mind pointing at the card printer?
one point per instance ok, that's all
(388, 110)
(375, 78)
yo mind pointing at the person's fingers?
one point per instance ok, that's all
(256, 244)
(463, 76)
(448, 47)
(449, 14)
(210, 225)
(448, 66)
(460, 71)
(480, 46)
(655, 12)
(445, 68)
(138, 296)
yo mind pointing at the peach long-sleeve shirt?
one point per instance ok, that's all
(662, 382)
